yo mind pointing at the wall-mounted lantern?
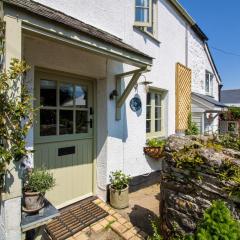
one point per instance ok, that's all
(113, 94)
(145, 83)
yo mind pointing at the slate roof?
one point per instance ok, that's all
(230, 96)
(209, 99)
(77, 25)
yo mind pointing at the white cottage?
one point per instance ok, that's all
(91, 62)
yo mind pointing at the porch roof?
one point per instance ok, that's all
(208, 103)
(125, 50)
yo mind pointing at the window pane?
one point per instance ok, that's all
(157, 100)
(148, 126)
(81, 121)
(148, 115)
(48, 93)
(142, 3)
(47, 122)
(66, 122)
(66, 95)
(157, 125)
(148, 98)
(158, 112)
(150, 29)
(142, 14)
(81, 96)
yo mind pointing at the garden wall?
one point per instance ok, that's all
(194, 174)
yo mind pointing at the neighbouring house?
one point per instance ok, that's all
(106, 75)
(231, 97)
(230, 123)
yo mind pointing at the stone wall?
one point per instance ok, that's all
(187, 192)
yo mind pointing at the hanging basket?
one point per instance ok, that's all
(154, 152)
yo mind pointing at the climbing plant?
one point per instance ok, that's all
(16, 115)
(16, 111)
(233, 114)
(192, 127)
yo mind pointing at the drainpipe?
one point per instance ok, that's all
(219, 91)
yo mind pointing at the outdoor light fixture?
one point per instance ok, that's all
(113, 94)
(145, 83)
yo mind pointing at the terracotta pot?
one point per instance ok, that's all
(33, 201)
(154, 152)
(119, 198)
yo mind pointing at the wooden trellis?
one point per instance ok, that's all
(183, 96)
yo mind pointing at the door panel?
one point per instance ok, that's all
(68, 151)
(73, 172)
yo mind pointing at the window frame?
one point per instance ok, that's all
(61, 79)
(235, 126)
(210, 84)
(153, 134)
(141, 23)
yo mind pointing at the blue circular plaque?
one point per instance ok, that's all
(135, 104)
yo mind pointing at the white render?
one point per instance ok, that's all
(120, 143)
(10, 219)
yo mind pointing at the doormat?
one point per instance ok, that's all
(74, 218)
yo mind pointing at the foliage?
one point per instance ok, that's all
(190, 159)
(156, 233)
(192, 127)
(155, 142)
(217, 224)
(187, 158)
(230, 141)
(216, 146)
(233, 114)
(119, 180)
(39, 180)
(231, 172)
(16, 115)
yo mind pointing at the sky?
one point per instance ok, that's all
(220, 21)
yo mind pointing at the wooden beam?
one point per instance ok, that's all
(122, 98)
(126, 74)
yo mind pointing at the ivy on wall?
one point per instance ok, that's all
(16, 112)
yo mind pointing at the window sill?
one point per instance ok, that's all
(209, 95)
(147, 34)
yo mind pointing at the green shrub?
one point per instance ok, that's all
(188, 158)
(39, 180)
(156, 233)
(192, 127)
(119, 180)
(155, 142)
(217, 224)
(229, 141)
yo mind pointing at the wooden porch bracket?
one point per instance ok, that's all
(123, 95)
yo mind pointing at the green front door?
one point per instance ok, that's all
(63, 134)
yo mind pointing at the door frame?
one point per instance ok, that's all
(36, 70)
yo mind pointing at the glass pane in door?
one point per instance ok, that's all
(48, 122)
(66, 95)
(81, 96)
(81, 121)
(48, 93)
(65, 122)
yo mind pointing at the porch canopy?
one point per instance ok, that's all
(42, 21)
(207, 103)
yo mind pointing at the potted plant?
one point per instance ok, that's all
(155, 148)
(37, 182)
(119, 189)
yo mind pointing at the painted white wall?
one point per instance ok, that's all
(199, 63)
